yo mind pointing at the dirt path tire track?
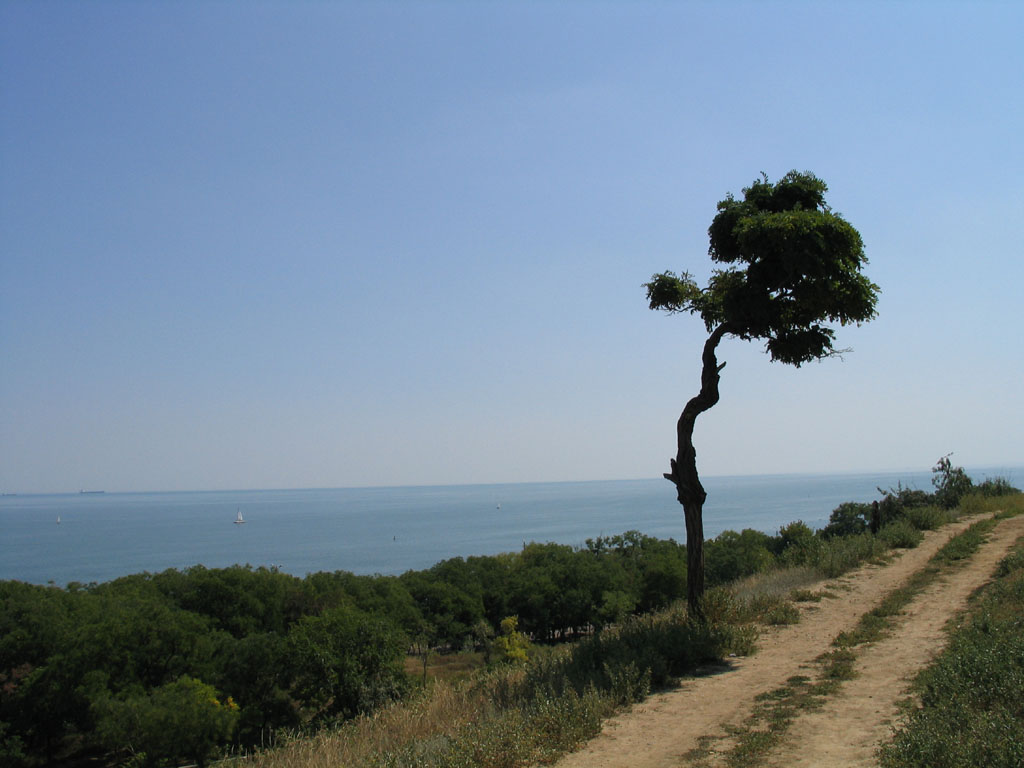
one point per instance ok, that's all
(850, 727)
(658, 732)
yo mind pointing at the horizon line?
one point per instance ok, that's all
(817, 473)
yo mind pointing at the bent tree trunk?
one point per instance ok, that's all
(689, 491)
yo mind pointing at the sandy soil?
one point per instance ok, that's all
(662, 730)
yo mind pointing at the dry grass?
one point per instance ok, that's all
(775, 584)
(438, 711)
(448, 667)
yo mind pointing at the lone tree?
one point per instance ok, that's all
(793, 266)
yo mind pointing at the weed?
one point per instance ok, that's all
(900, 534)
(784, 613)
(805, 596)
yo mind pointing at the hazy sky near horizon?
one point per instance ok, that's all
(262, 245)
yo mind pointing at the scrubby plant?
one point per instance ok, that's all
(929, 518)
(951, 483)
(798, 544)
(848, 519)
(732, 555)
(900, 534)
(513, 645)
(997, 486)
(897, 502)
(182, 720)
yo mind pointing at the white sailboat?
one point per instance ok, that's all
(238, 518)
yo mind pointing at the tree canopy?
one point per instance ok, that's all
(793, 267)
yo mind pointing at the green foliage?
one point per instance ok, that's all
(848, 519)
(732, 555)
(798, 544)
(783, 613)
(994, 487)
(899, 501)
(793, 269)
(346, 662)
(292, 652)
(928, 518)
(179, 721)
(900, 534)
(951, 483)
(840, 554)
(513, 645)
(645, 651)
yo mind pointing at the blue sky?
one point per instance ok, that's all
(259, 245)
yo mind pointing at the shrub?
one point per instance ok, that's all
(900, 534)
(928, 518)
(732, 555)
(951, 483)
(512, 644)
(842, 553)
(897, 502)
(998, 486)
(848, 519)
(799, 544)
(183, 720)
(347, 662)
(783, 613)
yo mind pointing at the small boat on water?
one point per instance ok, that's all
(58, 519)
(238, 518)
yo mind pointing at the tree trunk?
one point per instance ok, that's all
(689, 491)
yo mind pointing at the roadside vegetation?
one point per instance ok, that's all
(970, 701)
(486, 661)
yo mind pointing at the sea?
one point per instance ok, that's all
(95, 537)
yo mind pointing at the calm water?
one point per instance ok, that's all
(389, 530)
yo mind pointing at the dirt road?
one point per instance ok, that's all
(661, 731)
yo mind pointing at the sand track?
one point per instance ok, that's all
(662, 730)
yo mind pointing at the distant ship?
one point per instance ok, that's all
(238, 518)
(87, 492)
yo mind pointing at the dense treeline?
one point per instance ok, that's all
(116, 667)
(167, 667)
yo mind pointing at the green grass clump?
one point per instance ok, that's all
(966, 544)
(806, 596)
(844, 553)
(972, 697)
(929, 518)
(901, 534)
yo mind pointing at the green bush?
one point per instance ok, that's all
(900, 534)
(897, 502)
(179, 721)
(998, 486)
(928, 518)
(848, 519)
(799, 545)
(843, 553)
(951, 483)
(347, 662)
(732, 556)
